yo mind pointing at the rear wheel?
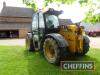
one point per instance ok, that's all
(51, 51)
(29, 44)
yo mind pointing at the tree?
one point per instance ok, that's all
(90, 14)
(33, 3)
(92, 19)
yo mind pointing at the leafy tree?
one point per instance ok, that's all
(90, 14)
(33, 3)
(93, 19)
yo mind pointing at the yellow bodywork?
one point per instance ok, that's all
(74, 36)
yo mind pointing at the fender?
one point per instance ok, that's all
(87, 39)
(59, 39)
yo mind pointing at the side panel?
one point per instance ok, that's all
(71, 38)
(74, 36)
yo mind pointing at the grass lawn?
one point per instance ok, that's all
(15, 60)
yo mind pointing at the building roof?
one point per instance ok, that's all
(65, 22)
(9, 11)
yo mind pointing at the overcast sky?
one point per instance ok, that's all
(17, 3)
(73, 12)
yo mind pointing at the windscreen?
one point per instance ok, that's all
(52, 21)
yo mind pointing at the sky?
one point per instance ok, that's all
(73, 12)
(17, 3)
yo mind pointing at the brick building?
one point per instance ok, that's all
(15, 21)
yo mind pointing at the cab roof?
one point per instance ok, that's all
(52, 11)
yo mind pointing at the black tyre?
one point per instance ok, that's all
(86, 46)
(51, 51)
(29, 44)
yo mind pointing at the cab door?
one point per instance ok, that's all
(41, 27)
(35, 31)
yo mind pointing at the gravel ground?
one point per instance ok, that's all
(94, 42)
(12, 42)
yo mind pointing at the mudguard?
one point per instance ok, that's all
(59, 39)
(87, 39)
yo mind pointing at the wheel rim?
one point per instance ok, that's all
(49, 49)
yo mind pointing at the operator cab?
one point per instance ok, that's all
(51, 21)
(44, 23)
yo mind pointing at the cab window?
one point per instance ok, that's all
(52, 21)
(35, 22)
(41, 21)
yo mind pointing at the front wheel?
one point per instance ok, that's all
(85, 46)
(51, 50)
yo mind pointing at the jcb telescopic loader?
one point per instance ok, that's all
(55, 40)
